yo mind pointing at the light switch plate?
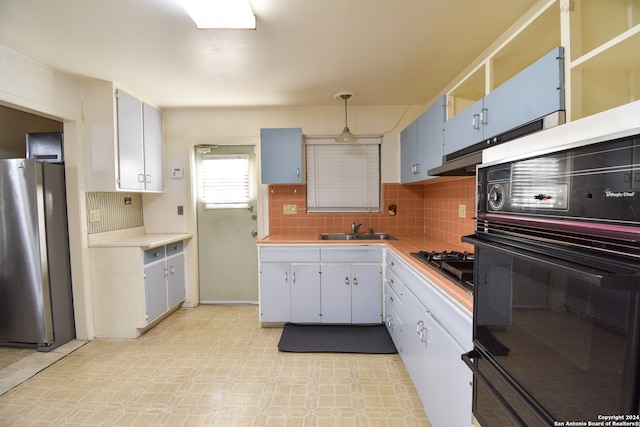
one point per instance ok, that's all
(290, 209)
(462, 211)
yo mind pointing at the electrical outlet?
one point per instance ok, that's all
(180, 210)
(462, 211)
(290, 209)
(94, 216)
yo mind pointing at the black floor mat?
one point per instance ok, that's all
(371, 339)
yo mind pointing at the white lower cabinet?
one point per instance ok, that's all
(351, 284)
(320, 285)
(305, 293)
(351, 293)
(133, 288)
(275, 293)
(393, 306)
(289, 284)
(431, 333)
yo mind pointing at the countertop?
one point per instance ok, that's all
(403, 246)
(135, 237)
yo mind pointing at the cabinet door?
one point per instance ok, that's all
(448, 399)
(153, 158)
(175, 279)
(393, 319)
(430, 138)
(336, 293)
(535, 92)
(305, 293)
(464, 129)
(415, 345)
(130, 148)
(155, 290)
(275, 297)
(408, 153)
(281, 156)
(366, 294)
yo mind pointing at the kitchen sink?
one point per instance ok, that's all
(357, 236)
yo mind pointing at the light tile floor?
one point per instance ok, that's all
(213, 366)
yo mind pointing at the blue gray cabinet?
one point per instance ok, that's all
(535, 92)
(281, 156)
(155, 289)
(164, 279)
(421, 144)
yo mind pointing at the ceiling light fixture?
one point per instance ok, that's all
(346, 135)
(222, 14)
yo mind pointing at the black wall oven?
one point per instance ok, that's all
(557, 288)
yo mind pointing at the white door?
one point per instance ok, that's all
(227, 226)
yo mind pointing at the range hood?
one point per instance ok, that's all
(463, 162)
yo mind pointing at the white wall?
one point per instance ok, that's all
(185, 128)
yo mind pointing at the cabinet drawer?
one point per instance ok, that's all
(175, 248)
(289, 254)
(151, 255)
(400, 269)
(351, 255)
(391, 296)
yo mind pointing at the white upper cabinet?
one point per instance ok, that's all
(123, 141)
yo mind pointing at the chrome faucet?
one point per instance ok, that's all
(354, 227)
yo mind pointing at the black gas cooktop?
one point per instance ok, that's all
(457, 266)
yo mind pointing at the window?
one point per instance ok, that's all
(343, 177)
(225, 181)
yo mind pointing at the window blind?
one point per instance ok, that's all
(225, 181)
(343, 177)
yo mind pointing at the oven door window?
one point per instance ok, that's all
(556, 334)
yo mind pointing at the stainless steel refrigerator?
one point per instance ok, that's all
(36, 304)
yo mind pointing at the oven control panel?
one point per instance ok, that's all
(526, 187)
(596, 183)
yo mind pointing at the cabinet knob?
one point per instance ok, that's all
(346, 280)
(355, 281)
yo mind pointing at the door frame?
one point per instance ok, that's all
(191, 210)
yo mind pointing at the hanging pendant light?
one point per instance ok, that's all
(346, 135)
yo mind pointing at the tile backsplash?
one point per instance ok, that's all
(117, 211)
(430, 209)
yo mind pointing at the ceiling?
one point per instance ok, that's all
(387, 52)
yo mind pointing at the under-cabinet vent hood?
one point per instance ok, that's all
(463, 162)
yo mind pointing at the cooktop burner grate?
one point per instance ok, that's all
(456, 265)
